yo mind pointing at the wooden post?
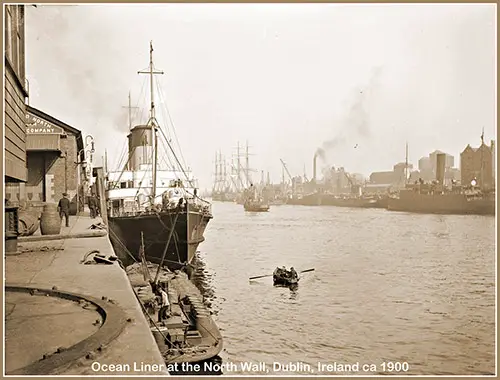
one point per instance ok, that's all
(102, 194)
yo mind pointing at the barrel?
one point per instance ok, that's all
(73, 208)
(50, 221)
(28, 222)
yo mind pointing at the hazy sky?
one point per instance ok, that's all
(289, 78)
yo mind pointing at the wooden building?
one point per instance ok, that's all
(15, 100)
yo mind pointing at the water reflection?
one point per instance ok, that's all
(387, 286)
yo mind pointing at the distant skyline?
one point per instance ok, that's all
(357, 80)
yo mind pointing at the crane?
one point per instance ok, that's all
(286, 169)
(292, 182)
(353, 187)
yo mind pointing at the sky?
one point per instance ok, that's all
(355, 81)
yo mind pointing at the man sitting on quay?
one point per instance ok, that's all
(63, 208)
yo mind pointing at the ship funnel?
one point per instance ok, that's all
(440, 167)
(314, 166)
(140, 140)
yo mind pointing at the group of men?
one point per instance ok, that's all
(292, 274)
(64, 205)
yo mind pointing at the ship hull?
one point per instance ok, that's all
(223, 197)
(125, 236)
(352, 202)
(319, 199)
(306, 200)
(256, 208)
(442, 204)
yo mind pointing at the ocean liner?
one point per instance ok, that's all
(161, 204)
(435, 198)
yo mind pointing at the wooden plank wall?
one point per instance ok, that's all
(15, 130)
(15, 108)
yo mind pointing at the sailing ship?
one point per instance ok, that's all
(161, 203)
(254, 201)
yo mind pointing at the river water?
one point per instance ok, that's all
(390, 291)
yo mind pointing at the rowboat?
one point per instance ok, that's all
(284, 277)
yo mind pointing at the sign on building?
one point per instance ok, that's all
(36, 125)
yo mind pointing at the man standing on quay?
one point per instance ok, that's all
(63, 208)
(92, 202)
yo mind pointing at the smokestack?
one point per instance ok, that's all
(440, 165)
(314, 166)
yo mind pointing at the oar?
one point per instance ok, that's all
(307, 270)
(269, 275)
(266, 275)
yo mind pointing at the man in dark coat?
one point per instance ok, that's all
(97, 205)
(63, 208)
(92, 206)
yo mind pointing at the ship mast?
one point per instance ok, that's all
(482, 172)
(406, 165)
(130, 111)
(152, 120)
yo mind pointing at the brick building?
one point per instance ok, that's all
(15, 100)
(53, 166)
(477, 164)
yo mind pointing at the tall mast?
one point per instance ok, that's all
(130, 111)
(152, 120)
(225, 173)
(406, 164)
(247, 167)
(220, 185)
(234, 185)
(482, 172)
(216, 182)
(127, 165)
(105, 161)
(238, 161)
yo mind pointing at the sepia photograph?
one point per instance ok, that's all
(250, 189)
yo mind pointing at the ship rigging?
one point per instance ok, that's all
(160, 203)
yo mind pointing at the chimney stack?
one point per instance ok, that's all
(440, 167)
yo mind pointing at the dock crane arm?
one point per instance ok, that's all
(286, 169)
(349, 179)
(351, 183)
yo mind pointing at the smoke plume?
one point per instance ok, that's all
(356, 123)
(89, 71)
